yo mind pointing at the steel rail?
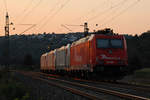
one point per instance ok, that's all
(127, 85)
(72, 90)
(111, 92)
(118, 84)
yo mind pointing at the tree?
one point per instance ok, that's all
(28, 59)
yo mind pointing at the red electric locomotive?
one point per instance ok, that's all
(99, 56)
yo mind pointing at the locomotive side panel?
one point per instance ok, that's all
(46, 62)
(41, 63)
(92, 54)
(125, 52)
(80, 56)
(51, 61)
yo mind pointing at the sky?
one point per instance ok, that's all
(38, 16)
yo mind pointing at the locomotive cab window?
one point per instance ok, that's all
(102, 43)
(109, 43)
(116, 43)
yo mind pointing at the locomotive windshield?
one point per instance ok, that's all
(109, 43)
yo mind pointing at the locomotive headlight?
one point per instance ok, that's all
(99, 61)
(120, 62)
(121, 68)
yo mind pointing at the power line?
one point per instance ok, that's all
(29, 12)
(113, 11)
(54, 14)
(50, 11)
(33, 25)
(107, 10)
(5, 3)
(25, 9)
(112, 7)
(90, 11)
(28, 28)
(66, 28)
(120, 13)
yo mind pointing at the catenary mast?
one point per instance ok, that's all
(7, 42)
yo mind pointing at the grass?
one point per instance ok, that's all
(141, 77)
(10, 89)
(143, 73)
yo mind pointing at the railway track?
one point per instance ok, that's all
(72, 90)
(143, 91)
(121, 85)
(114, 84)
(128, 85)
(110, 91)
(89, 91)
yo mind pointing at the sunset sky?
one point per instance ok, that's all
(124, 16)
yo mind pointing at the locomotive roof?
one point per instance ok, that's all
(63, 47)
(52, 51)
(45, 54)
(82, 40)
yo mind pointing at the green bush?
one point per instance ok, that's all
(10, 89)
(25, 97)
(13, 90)
(143, 73)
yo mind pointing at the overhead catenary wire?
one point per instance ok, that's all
(120, 13)
(49, 12)
(66, 28)
(5, 3)
(30, 11)
(54, 14)
(111, 8)
(29, 4)
(27, 14)
(47, 18)
(28, 28)
(90, 11)
(112, 11)
(33, 25)
(81, 25)
(44, 17)
(107, 10)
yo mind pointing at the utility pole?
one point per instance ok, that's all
(86, 29)
(7, 26)
(7, 42)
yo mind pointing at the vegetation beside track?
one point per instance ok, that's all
(143, 73)
(10, 88)
(141, 76)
